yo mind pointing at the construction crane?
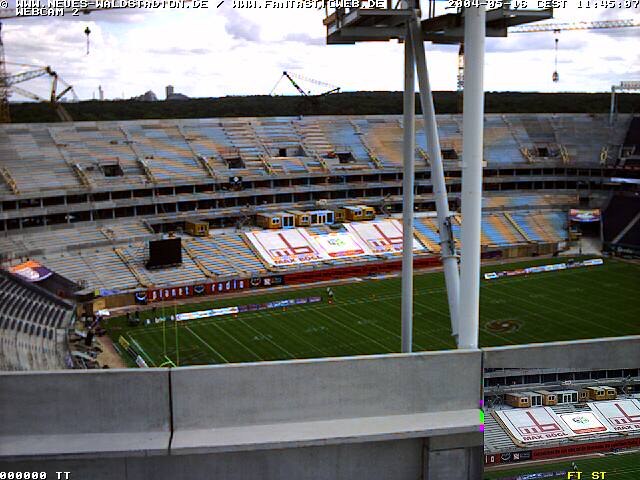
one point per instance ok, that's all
(290, 75)
(7, 82)
(55, 95)
(556, 28)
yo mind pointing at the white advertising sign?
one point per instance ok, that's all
(284, 247)
(584, 423)
(622, 415)
(380, 236)
(533, 424)
(337, 245)
(297, 245)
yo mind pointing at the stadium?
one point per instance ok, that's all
(535, 416)
(172, 176)
(324, 296)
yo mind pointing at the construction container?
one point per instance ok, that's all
(197, 229)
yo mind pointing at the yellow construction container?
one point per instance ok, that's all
(269, 220)
(548, 398)
(197, 229)
(518, 400)
(274, 221)
(359, 213)
(300, 218)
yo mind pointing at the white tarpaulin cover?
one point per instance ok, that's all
(622, 415)
(298, 245)
(584, 423)
(337, 245)
(284, 247)
(380, 236)
(533, 424)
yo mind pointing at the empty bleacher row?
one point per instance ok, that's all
(31, 327)
(76, 237)
(502, 229)
(519, 202)
(229, 254)
(43, 157)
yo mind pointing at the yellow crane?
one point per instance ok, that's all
(556, 28)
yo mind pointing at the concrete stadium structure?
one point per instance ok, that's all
(169, 170)
(84, 198)
(382, 417)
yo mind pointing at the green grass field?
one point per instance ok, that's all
(589, 302)
(617, 467)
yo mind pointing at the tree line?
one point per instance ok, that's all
(349, 103)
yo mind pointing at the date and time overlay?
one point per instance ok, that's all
(60, 8)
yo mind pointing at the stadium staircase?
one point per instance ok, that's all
(205, 140)
(562, 150)
(138, 156)
(75, 167)
(8, 178)
(524, 150)
(517, 226)
(108, 234)
(422, 154)
(253, 153)
(203, 160)
(426, 241)
(314, 143)
(143, 278)
(450, 132)
(545, 227)
(362, 137)
(426, 231)
(275, 134)
(194, 257)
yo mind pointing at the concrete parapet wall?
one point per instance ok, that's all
(69, 414)
(600, 353)
(360, 417)
(338, 388)
(376, 417)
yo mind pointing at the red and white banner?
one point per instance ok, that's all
(294, 246)
(622, 415)
(533, 424)
(284, 247)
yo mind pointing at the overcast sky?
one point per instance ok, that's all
(216, 52)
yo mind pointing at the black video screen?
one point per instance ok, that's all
(165, 252)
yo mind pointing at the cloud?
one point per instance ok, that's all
(241, 28)
(180, 51)
(304, 38)
(218, 52)
(533, 42)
